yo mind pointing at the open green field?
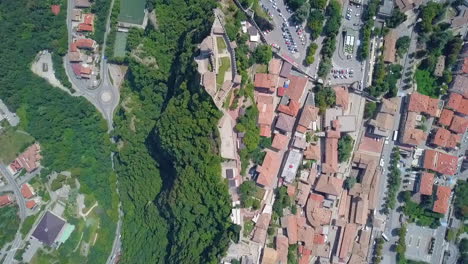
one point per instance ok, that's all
(120, 44)
(426, 84)
(221, 44)
(12, 143)
(225, 64)
(132, 11)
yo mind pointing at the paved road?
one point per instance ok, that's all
(22, 212)
(105, 97)
(117, 245)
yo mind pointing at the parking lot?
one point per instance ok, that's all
(346, 68)
(291, 39)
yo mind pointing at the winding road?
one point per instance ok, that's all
(104, 96)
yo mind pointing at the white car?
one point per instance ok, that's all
(382, 163)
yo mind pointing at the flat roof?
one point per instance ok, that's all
(292, 164)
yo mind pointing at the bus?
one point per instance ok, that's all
(395, 135)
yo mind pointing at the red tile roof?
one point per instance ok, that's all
(30, 204)
(30, 158)
(296, 87)
(440, 162)
(274, 66)
(266, 113)
(291, 109)
(266, 82)
(268, 171)
(441, 204)
(88, 19)
(420, 103)
(458, 103)
(312, 152)
(5, 199)
(280, 142)
(459, 124)
(348, 236)
(329, 185)
(55, 9)
(390, 47)
(281, 90)
(412, 135)
(309, 114)
(427, 181)
(342, 96)
(27, 191)
(84, 43)
(445, 117)
(86, 70)
(291, 228)
(319, 239)
(443, 138)
(85, 28)
(331, 151)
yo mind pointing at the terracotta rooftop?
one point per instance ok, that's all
(290, 221)
(296, 87)
(302, 193)
(319, 239)
(329, 185)
(342, 96)
(443, 138)
(274, 66)
(306, 235)
(420, 103)
(85, 28)
(445, 117)
(440, 162)
(427, 181)
(441, 203)
(313, 152)
(347, 239)
(269, 169)
(280, 142)
(27, 191)
(291, 109)
(282, 245)
(55, 9)
(330, 165)
(285, 122)
(458, 103)
(459, 124)
(389, 106)
(30, 204)
(30, 158)
(266, 112)
(309, 114)
(5, 199)
(270, 256)
(389, 54)
(405, 5)
(362, 206)
(460, 85)
(88, 19)
(85, 43)
(265, 82)
(261, 228)
(412, 135)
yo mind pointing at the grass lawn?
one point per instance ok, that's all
(426, 84)
(260, 192)
(261, 68)
(12, 143)
(225, 64)
(221, 44)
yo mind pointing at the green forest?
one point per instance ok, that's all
(176, 205)
(71, 132)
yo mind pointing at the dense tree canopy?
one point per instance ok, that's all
(71, 132)
(176, 204)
